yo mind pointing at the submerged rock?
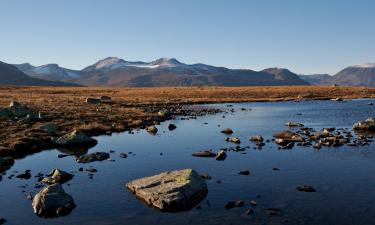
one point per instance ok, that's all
(5, 164)
(57, 176)
(171, 191)
(52, 201)
(96, 156)
(76, 139)
(305, 188)
(233, 204)
(204, 153)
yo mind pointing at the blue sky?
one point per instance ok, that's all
(316, 36)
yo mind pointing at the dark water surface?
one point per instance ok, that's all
(344, 177)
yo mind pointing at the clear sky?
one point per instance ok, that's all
(306, 36)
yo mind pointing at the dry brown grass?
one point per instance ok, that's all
(66, 107)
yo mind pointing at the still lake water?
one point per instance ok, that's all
(344, 177)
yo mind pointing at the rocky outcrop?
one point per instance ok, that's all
(52, 201)
(171, 191)
(96, 156)
(75, 139)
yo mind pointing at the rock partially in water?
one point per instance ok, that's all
(2, 221)
(233, 140)
(123, 155)
(171, 191)
(221, 155)
(305, 188)
(5, 164)
(244, 172)
(76, 139)
(52, 201)
(152, 129)
(227, 131)
(171, 126)
(256, 138)
(96, 156)
(204, 153)
(367, 125)
(57, 176)
(337, 99)
(294, 124)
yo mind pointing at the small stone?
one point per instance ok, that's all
(227, 131)
(244, 172)
(171, 126)
(26, 175)
(233, 204)
(123, 155)
(221, 155)
(253, 202)
(272, 211)
(91, 170)
(249, 211)
(204, 153)
(305, 188)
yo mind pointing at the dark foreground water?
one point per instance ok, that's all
(344, 177)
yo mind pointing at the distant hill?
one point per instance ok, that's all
(113, 71)
(11, 75)
(316, 79)
(48, 72)
(359, 75)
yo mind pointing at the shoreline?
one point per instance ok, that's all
(131, 108)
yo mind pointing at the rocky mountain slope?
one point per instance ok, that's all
(11, 75)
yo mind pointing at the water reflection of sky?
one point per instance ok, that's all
(342, 176)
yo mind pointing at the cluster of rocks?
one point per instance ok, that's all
(17, 111)
(305, 136)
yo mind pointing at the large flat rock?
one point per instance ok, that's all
(171, 191)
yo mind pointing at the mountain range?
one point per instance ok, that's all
(116, 72)
(10, 75)
(113, 71)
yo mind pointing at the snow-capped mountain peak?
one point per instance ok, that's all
(167, 62)
(110, 63)
(365, 65)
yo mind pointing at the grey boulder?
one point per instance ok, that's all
(171, 191)
(76, 139)
(52, 201)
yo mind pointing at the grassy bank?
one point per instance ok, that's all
(131, 107)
